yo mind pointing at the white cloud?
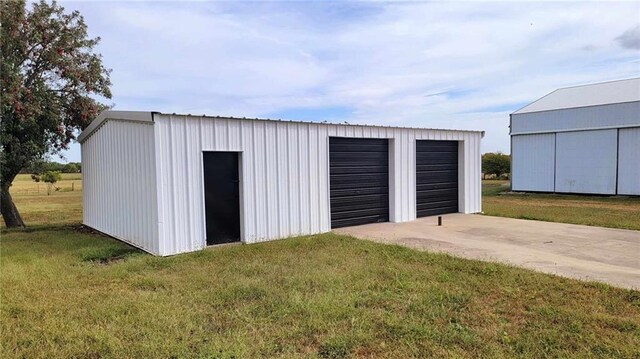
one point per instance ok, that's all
(380, 60)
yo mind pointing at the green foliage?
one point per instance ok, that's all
(51, 177)
(70, 168)
(496, 164)
(50, 80)
(39, 167)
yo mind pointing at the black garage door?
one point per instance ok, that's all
(436, 177)
(359, 181)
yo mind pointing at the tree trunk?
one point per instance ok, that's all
(8, 209)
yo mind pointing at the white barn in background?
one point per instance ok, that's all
(170, 183)
(583, 139)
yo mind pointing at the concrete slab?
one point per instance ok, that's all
(582, 252)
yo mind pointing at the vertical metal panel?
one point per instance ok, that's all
(468, 168)
(533, 162)
(284, 175)
(119, 183)
(586, 161)
(462, 184)
(593, 117)
(629, 161)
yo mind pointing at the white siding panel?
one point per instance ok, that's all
(574, 119)
(533, 162)
(119, 183)
(284, 174)
(586, 161)
(629, 161)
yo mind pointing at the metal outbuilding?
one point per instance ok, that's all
(582, 139)
(169, 183)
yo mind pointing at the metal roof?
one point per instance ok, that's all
(147, 116)
(136, 116)
(603, 93)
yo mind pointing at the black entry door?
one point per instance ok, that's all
(222, 197)
(436, 177)
(359, 181)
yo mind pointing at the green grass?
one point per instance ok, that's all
(71, 294)
(602, 211)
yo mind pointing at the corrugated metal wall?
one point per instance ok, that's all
(119, 183)
(284, 174)
(586, 149)
(586, 161)
(574, 119)
(578, 162)
(533, 162)
(629, 161)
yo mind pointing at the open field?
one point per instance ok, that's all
(36, 207)
(603, 211)
(66, 293)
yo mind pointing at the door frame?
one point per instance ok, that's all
(240, 196)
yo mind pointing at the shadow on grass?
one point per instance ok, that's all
(45, 227)
(108, 252)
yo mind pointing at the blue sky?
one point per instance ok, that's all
(460, 65)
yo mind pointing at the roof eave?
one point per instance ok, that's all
(520, 112)
(315, 122)
(136, 116)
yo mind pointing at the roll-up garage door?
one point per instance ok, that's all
(359, 181)
(436, 177)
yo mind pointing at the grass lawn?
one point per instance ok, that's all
(602, 211)
(66, 293)
(318, 296)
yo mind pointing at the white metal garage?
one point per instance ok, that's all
(583, 139)
(172, 183)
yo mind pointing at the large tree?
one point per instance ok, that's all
(52, 80)
(496, 164)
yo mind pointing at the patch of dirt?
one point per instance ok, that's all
(110, 260)
(87, 230)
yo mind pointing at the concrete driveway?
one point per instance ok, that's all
(582, 252)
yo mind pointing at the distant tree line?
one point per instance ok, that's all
(496, 164)
(41, 167)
